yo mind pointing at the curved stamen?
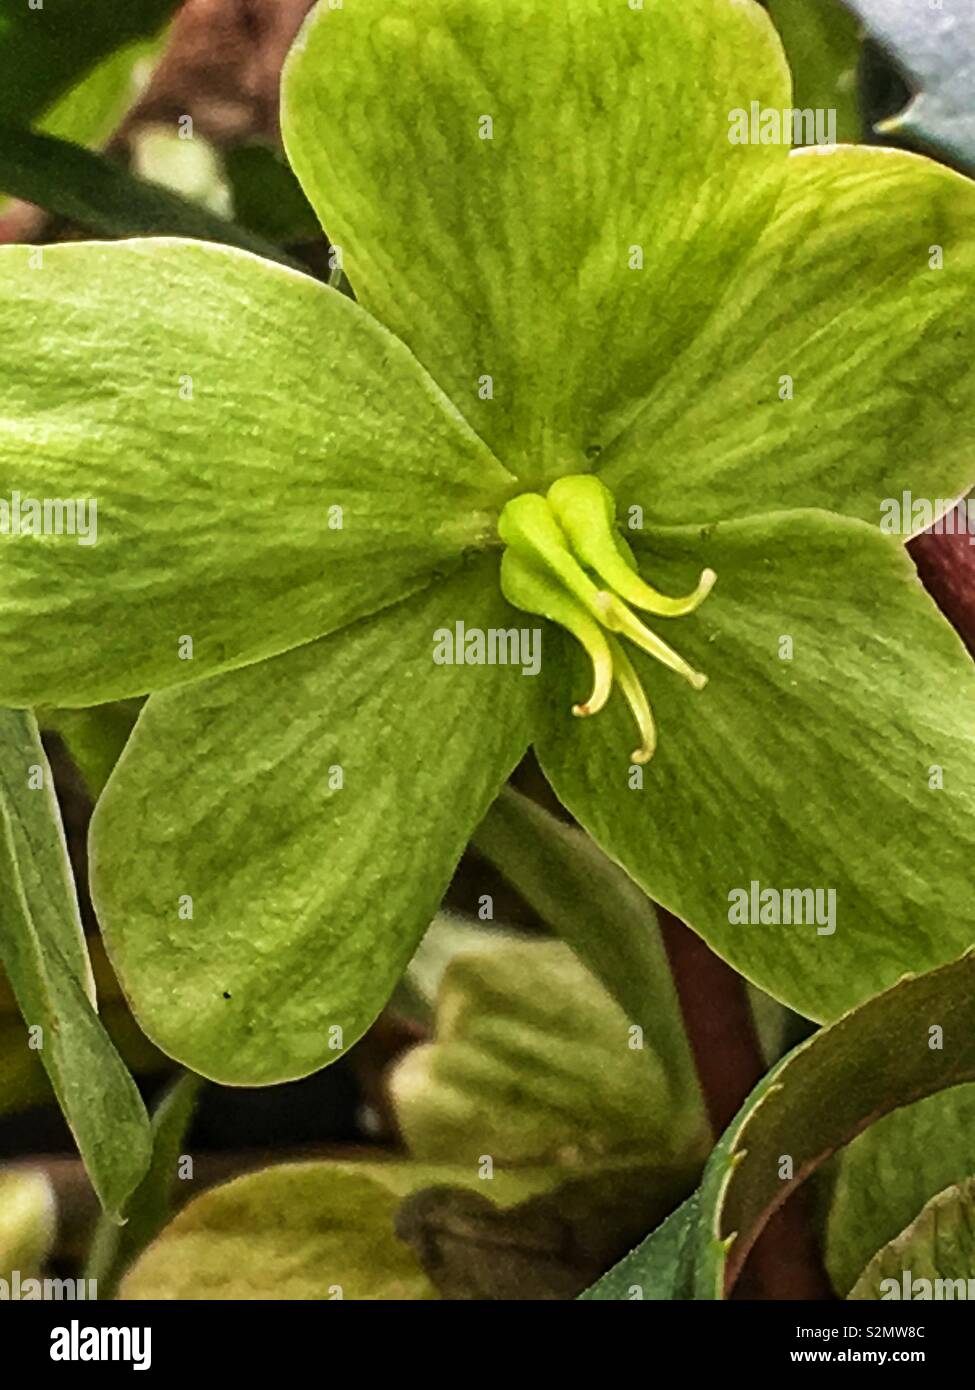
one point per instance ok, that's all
(636, 698)
(548, 542)
(530, 588)
(586, 512)
(618, 618)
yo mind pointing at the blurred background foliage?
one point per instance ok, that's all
(502, 1131)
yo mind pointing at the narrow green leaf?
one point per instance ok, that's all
(43, 951)
(46, 51)
(115, 1247)
(93, 191)
(821, 1096)
(267, 196)
(822, 44)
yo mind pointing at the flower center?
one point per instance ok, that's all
(565, 560)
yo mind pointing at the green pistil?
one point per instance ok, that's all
(557, 548)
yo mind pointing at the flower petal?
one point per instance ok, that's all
(218, 409)
(307, 897)
(832, 750)
(839, 368)
(492, 169)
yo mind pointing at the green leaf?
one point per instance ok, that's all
(611, 145)
(23, 1081)
(888, 1173)
(44, 53)
(938, 1247)
(34, 852)
(315, 1231)
(935, 47)
(824, 1093)
(28, 1222)
(94, 192)
(822, 44)
(839, 298)
(43, 952)
(181, 421)
(661, 1267)
(319, 1231)
(612, 927)
(115, 1247)
(313, 879)
(89, 112)
(267, 197)
(836, 690)
(535, 1064)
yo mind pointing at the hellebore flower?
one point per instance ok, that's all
(566, 271)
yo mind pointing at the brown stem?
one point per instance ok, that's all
(717, 1019)
(786, 1262)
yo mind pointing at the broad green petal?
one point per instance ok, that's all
(831, 750)
(938, 1246)
(267, 464)
(841, 306)
(540, 199)
(44, 956)
(308, 812)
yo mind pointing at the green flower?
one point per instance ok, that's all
(564, 268)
